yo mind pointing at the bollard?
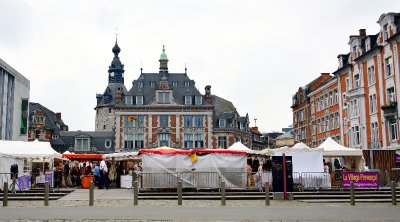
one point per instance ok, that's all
(266, 193)
(393, 186)
(179, 191)
(5, 194)
(91, 194)
(352, 197)
(223, 202)
(135, 193)
(46, 194)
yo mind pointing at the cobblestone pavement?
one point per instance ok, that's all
(123, 199)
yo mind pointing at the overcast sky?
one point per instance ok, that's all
(253, 53)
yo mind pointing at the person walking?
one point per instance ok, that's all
(103, 174)
(96, 173)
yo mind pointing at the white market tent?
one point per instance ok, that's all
(333, 149)
(305, 159)
(238, 146)
(18, 151)
(300, 145)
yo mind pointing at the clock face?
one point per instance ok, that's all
(112, 74)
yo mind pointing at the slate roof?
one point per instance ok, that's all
(97, 139)
(50, 118)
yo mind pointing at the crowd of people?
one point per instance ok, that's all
(258, 172)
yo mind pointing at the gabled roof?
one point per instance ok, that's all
(51, 120)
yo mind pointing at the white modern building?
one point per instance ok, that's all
(14, 102)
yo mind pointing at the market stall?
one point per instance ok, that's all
(125, 163)
(342, 160)
(82, 174)
(26, 155)
(197, 168)
(238, 146)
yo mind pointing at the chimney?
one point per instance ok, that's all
(208, 93)
(363, 32)
(58, 116)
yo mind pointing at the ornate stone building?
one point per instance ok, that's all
(166, 109)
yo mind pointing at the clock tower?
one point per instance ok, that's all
(116, 69)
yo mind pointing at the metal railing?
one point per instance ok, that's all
(315, 180)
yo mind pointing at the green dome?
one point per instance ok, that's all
(163, 56)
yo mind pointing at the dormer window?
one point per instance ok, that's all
(188, 100)
(140, 85)
(385, 32)
(38, 119)
(139, 100)
(198, 100)
(355, 51)
(82, 144)
(367, 45)
(128, 100)
(174, 83)
(163, 98)
(222, 123)
(187, 83)
(153, 84)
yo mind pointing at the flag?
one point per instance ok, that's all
(194, 157)
(131, 118)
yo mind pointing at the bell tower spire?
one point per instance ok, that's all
(163, 61)
(116, 69)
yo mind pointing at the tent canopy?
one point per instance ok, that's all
(333, 149)
(22, 149)
(123, 156)
(240, 147)
(189, 152)
(300, 145)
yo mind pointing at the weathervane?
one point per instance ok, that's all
(116, 32)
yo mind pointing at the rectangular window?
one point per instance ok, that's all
(393, 129)
(385, 32)
(222, 123)
(188, 121)
(323, 124)
(357, 135)
(337, 120)
(347, 84)
(326, 101)
(128, 100)
(163, 97)
(164, 121)
(375, 134)
(335, 96)
(388, 66)
(332, 122)
(222, 142)
(301, 115)
(198, 100)
(371, 75)
(139, 141)
(174, 83)
(317, 104)
(319, 125)
(312, 107)
(330, 98)
(295, 117)
(188, 100)
(128, 141)
(356, 81)
(139, 121)
(199, 121)
(199, 140)
(188, 140)
(163, 139)
(390, 95)
(152, 84)
(82, 144)
(187, 83)
(139, 100)
(129, 120)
